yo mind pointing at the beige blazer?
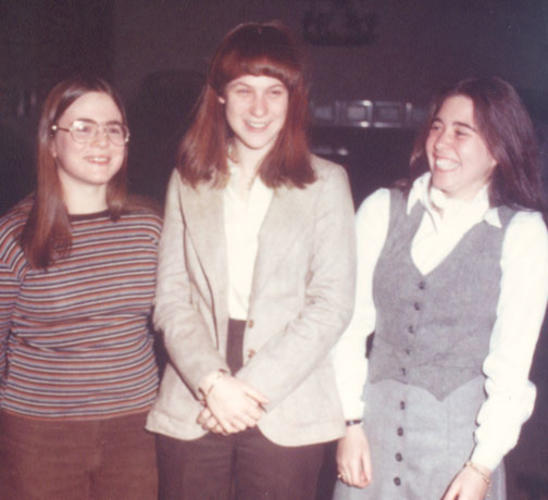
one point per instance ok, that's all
(301, 300)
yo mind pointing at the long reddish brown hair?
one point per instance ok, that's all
(256, 49)
(508, 132)
(47, 232)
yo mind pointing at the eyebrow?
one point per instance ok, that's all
(90, 120)
(457, 124)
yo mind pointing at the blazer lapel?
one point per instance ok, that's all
(283, 223)
(203, 212)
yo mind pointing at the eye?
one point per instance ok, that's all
(461, 133)
(276, 91)
(242, 91)
(435, 126)
(83, 127)
(115, 129)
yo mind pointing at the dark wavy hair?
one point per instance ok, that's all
(508, 132)
(256, 49)
(47, 232)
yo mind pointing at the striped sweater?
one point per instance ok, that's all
(75, 341)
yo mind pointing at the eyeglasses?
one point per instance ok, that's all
(85, 131)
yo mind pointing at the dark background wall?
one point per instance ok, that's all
(156, 52)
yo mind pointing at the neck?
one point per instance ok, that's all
(85, 201)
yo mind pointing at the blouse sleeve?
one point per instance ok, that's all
(520, 311)
(350, 362)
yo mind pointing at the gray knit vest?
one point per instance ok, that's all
(433, 330)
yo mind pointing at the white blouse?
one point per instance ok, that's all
(242, 221)
(520, 309)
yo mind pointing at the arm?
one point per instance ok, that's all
(520, 310)
(353, 458)
(291, 354)
(186, 335)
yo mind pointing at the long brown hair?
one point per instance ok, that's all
(47, 232)
(508, 132)
(256, 49)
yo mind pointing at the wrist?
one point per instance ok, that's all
(482, 471)
(209, 382)
(354, 421)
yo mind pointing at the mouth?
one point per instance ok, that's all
(445, 165)
(256, 125)
(98, 160)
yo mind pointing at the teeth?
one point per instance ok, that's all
(98, 159)
(257, 124)
(444, 164)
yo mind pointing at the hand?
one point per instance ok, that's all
(234, 405)
(468, 484)
(209, 422)
(354, 458)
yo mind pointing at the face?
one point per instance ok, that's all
(457, 155)
(255, 109)
(93, 163)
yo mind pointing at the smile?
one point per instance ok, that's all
(445, 165)
(256, 125)
(100, 160)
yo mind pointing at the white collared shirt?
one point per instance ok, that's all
(520, 309)
(242, 221)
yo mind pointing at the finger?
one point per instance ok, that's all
(367, 469)
(256, 395)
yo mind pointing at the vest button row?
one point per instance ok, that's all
(417, 306)
(411, 329)
(402, 405)
(422, 285)
(397, 481)
(398, 456)
(403, 371)
(400, 431)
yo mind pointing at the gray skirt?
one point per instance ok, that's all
(418, 443)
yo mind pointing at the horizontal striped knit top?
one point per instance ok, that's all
(75, 341)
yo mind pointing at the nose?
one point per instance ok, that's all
(101, 137)
(259, 105)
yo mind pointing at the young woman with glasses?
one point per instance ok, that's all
(77, 275)
(255, 284)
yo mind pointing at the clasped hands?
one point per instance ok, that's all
(230, 406)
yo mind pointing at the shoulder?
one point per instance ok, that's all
(142, 217)
(527, 226)
(375, 208)
(326, 169)
(11, 226)
(12, 222)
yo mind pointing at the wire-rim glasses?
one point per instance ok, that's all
(85, 131)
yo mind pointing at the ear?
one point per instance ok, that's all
(222, 100)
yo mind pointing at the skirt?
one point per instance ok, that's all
(418, 443)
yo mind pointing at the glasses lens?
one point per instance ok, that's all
(117, 133)
(83, 131)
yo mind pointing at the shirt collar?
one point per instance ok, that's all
(478, 207)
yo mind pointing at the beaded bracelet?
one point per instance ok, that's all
(475, 468)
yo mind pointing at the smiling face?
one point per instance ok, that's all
(94, 163)
(255, 109)
(460, 162)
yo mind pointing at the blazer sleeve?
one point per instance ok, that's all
(290, 355)
(187, 338)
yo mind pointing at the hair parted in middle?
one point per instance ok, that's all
(258, 49)
(47, 232)
(508, 132)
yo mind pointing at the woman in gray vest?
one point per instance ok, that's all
(452, 278)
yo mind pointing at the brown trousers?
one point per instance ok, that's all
(111, 459)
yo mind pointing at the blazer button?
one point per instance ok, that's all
(397, 481)
(250, 323)
(251, 353)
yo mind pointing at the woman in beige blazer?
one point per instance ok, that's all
(255, 284)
